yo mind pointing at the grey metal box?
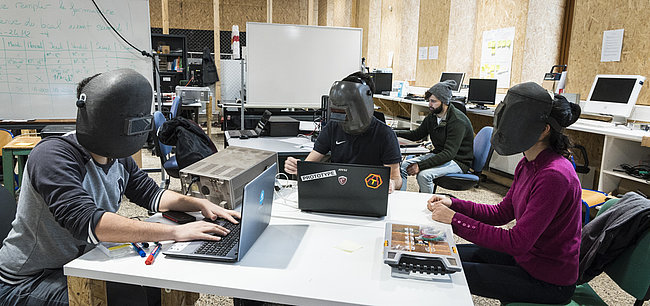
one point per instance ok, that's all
(222, 176)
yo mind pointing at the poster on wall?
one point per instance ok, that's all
(496, 55)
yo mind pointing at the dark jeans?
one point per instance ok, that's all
(51, 288)
(496, 275)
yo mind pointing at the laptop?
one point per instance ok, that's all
(343, 188)
(405, 143)
(252, 133)
(255, 212)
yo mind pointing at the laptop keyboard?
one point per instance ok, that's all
(223, 246)
(248, 133)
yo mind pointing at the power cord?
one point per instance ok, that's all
(279, 187)
(194, 180)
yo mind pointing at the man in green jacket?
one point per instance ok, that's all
(452, 136)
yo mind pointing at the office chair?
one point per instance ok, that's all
(459, 105)
(629, 271)
(5, 137)
(164, 151)
(176, 105)
(464, 181)
(8, 208)
(590, 198)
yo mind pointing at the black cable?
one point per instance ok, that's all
(144, 53)
(194, 180)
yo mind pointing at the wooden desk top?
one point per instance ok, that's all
(23, 142)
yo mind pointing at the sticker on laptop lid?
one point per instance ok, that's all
(318, 176)
(373, 181)
(343, 180)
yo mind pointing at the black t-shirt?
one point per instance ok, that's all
(376, 147)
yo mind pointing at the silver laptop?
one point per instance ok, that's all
(255, 213)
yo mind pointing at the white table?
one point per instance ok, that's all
(287, 146)
(295, 261)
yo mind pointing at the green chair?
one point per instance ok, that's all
(630, 271)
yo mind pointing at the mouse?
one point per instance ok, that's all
(243, 137)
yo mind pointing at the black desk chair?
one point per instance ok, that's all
(167, 160)
(464, 181)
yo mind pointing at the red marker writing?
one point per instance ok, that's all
(153, 254)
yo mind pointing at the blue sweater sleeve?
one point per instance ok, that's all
(141, 189)
(56, 171)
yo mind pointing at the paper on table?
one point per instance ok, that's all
(422, 53)
(348, 246)
(433, 52)
(612, 45)
(296, 140)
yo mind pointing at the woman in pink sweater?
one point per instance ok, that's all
(536, 260)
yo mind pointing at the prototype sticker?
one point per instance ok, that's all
(318, 176)
(373, 181)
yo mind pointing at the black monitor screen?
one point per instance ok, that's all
(482, 91)
(383, 81)
(456, 76)
(616, 90)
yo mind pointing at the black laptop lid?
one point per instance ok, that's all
(343, 188)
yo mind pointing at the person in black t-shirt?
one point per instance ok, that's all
(353, 135)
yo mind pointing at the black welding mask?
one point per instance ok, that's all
(114, 113)
(351, 104)
(521, 118)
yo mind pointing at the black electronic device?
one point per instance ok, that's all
(482, 92)
(178, 216)
(383, 82)
(456, 76)
(278, 126)
(253, 133)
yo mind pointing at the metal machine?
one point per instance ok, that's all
(221, 177)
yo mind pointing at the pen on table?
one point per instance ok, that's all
(153, 254)
(138, 249)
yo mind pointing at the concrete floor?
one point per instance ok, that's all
(488, 192)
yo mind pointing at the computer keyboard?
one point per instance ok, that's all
(596, 123)
(223, 246)
(248, 133)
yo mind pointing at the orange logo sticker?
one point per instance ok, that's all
(373, 181)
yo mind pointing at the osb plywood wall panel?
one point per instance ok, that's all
(290, 11)
(408, 53)
(342, 11)
(497, 14)
(460, 45)
(363, 18)
(239, 12)
(374, 34)
(591, 18)
(433, 31)
(543, 33)
(190, 14)
(390, 33)
(155, 13)
(322, 12)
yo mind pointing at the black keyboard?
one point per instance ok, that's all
(223, 246)
(248, 133)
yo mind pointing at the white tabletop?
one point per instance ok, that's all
(295, 262)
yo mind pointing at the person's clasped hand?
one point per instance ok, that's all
(439, 207)
(291, 165)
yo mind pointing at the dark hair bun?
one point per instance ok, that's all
(565, 112)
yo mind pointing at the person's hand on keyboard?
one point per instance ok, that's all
(199, 230)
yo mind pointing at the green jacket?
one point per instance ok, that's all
(453, 139)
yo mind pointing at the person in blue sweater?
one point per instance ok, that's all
(73, 186)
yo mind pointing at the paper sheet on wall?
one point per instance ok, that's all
(433, 52)
(496, 55)
(422, 53)
(612, 45)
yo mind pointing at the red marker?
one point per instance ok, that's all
(153, 254)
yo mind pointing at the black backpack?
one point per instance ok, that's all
(209, 72)
(192, 144)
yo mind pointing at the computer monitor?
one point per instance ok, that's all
(481, 92)
(456, 76)
(614, 94)
(383, 82)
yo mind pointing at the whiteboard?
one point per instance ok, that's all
(48, 46)
(294, 65)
